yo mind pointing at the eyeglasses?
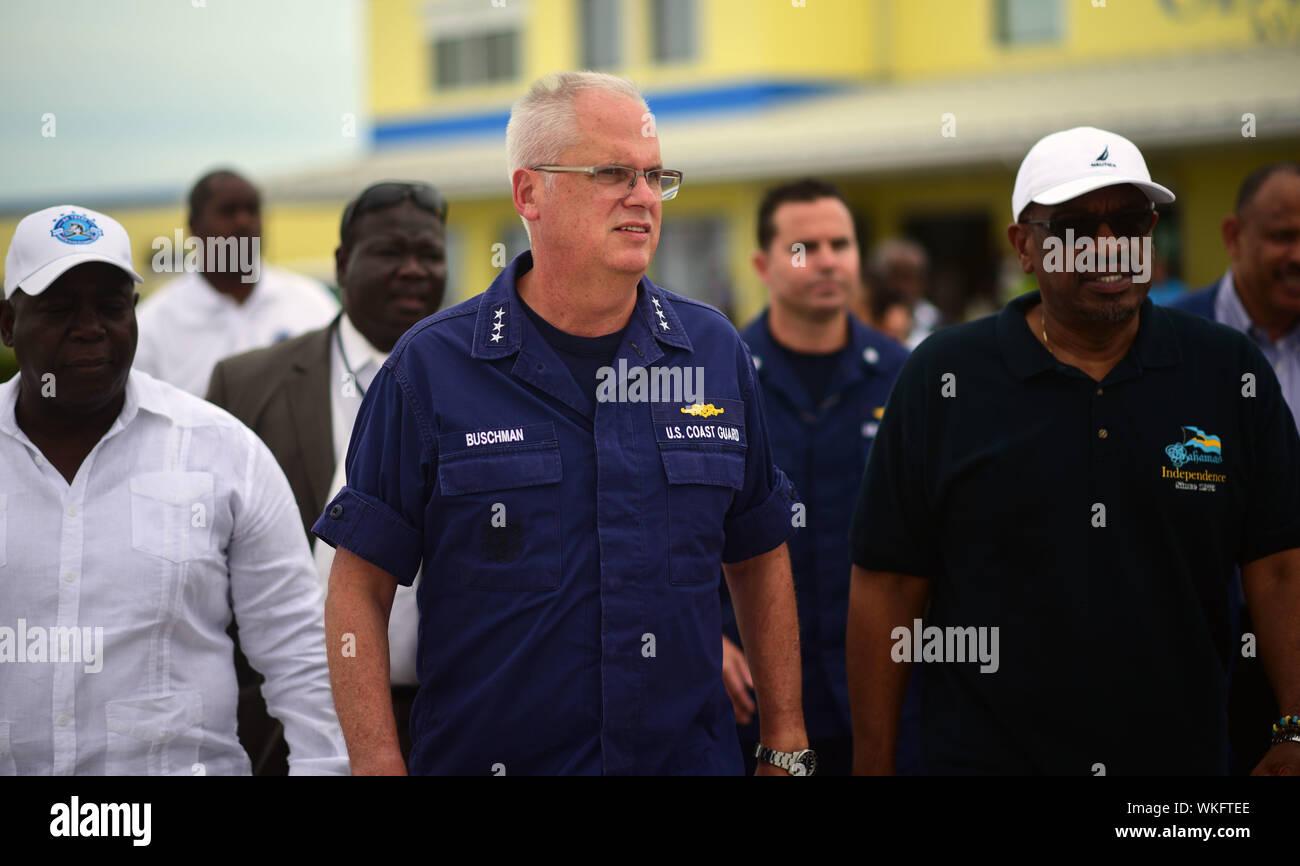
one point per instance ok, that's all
(617, 181)
(1123, 223)
(388, 194)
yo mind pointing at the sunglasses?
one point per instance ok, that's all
(388, 194)
(1122, 223)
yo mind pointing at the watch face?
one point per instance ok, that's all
(805, 763)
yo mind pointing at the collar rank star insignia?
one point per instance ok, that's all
(496, 326)
(703, 410)
(663, 323)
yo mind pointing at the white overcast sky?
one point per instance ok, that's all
(147, 94)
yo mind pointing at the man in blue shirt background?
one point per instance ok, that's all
(571, 532)
(825, 379)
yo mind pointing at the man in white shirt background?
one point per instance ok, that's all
(302, 395)
(134, 520)
(234, 301)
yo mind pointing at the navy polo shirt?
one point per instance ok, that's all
(822, 445)
(569, 612)
(1096, 524)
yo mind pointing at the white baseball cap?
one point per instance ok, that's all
(1065, 165)
(49, 242)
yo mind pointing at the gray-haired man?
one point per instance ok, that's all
(571, 528)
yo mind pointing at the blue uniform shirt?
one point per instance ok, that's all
(569, 612)
(823, 449)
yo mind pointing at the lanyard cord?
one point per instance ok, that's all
(338, 337)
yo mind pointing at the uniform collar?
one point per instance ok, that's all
(859, 360)
(498, 328)
(1156, 344)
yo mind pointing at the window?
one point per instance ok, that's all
(1026, 21)
(473, 42)
(673, 30)
(483, 59)
(693, 260)
(601, 34)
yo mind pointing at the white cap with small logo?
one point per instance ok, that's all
(1065, 165)
(48, 243)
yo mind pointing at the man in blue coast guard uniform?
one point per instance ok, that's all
(571, 520)
(825, 378)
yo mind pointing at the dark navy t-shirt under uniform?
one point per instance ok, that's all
(569, 611)
(1095, 524)
(584, 356)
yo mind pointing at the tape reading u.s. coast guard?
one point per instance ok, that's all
(721, 432)
(706, 422)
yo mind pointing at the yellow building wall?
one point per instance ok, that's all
(736, 40)
(939, 38)
(847, 40)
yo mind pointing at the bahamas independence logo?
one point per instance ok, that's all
(1196, 447)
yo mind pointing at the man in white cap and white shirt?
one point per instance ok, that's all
(1068, 485)
(133, 518)
(234, 302)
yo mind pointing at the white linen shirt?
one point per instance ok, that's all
(178, 513)
(187, 326)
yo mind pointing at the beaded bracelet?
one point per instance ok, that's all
(1286, 730)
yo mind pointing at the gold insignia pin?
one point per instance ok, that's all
(878, 412)
(704, 410)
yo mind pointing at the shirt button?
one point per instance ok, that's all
(1099, 392)
(69, 576)
(1102, 433)
(72, 511)
(40, 461)
(870, 355)
(63, 721)
(336, 512)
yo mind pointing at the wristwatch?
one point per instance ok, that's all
(801, 763)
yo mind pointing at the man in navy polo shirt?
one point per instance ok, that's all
(825, 378)
(572, 454)
(1069, 483)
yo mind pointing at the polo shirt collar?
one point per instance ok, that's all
(498, 327)
(1156, 344)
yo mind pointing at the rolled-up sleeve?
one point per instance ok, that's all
(379, 513)
(278, 604)
(761, 516)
